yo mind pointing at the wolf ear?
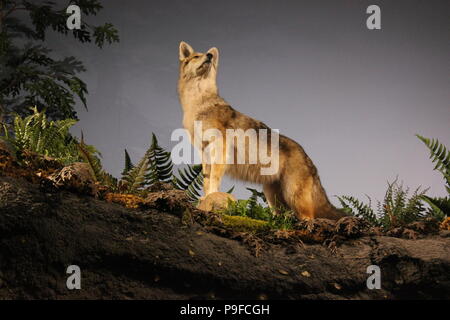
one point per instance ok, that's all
(185, 50)
(215, 52)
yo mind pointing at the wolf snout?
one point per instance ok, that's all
(209, 56)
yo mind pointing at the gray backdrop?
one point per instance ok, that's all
(353, 98)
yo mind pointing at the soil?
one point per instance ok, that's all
(157, 253)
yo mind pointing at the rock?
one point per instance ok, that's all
(76, 177)
(171, 201)
(6, 148)
(216, 201)
(160, 186)
(36, 161)
(7, 156)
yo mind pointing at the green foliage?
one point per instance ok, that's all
(252, 209)
(91, 156)
(155, 166)
(37, 134)
(135, 178)
(283, 221)
(231, 189)
(396, 209)
(359, 209)
(51, 138)
(257, 195)
(191, 180)
(30, 76)
(248, 208)
(128, 164)
(160, 162)
(439, 207)
(440, 156)
(107, 33)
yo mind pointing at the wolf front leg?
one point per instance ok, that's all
(217, 172)
(214, 153)
(206, 170)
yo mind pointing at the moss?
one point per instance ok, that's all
(127, 200)
(445, 225)
(238, 223)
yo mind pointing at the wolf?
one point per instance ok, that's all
(295, 185)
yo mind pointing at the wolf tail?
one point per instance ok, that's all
(324, 208)
(331, 212)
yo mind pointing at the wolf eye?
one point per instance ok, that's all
(195, 57)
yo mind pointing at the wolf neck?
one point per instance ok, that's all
(197, 94)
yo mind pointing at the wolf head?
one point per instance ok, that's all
(196, 65)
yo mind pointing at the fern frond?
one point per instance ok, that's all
(160, 162)
(110, 181)
(440, 156)
(439, 207)
(190, 180)
(359, 209)
(398, 208)
(51, 138)
(231, 189)
(257, 195)
(413, 208)
(136, 177)
(155, 166)
(89, 155)
(128, 164)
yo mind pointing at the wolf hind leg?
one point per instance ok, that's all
(304, 206)
(298, 194)
(274, 197)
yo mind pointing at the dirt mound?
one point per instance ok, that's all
(170, 251)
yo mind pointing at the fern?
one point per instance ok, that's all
(439, 207)
(190, 180)
(49, 138)
(111, 182)
(231, 189)
(396, 209)
(91, 156)
(161, 165)
(414, 208)
(128, 164)
(155, 166)
(359, 209)
(136, 177)
(52, 138)
(440, 156)
(257, 195)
